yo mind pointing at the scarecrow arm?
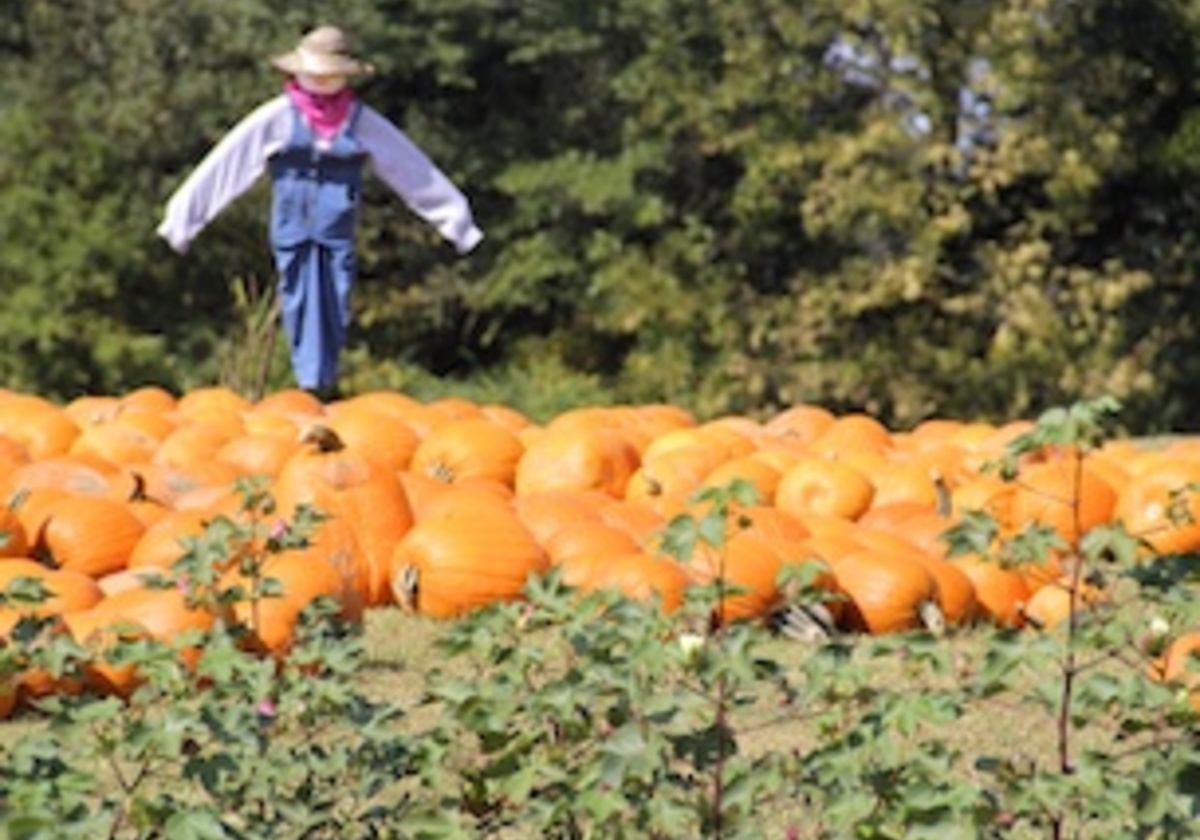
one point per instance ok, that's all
(230, 169)
(426, 190)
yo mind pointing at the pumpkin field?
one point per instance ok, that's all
(447, 619)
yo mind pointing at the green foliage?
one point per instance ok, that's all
(687, 203)
(240, 745)
(588, 717)
(570, 715)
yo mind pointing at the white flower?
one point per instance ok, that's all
(1159, 626)
(690, 644)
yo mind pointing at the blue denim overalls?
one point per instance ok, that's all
(314, 206)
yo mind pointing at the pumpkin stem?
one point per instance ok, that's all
(945, 499)
(441, 471)
(406, 586)
(325, 438)
(138, 493)
(932, 617)
(17, 499)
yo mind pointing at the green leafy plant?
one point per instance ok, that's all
(1123, 759)
(580, 715)
(238, 745)
(595, 715)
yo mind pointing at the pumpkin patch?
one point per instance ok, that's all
(447, 507)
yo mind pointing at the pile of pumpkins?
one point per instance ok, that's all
(441, 507)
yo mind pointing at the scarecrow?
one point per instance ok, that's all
(314, 141)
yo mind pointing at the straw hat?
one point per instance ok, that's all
(324, 51)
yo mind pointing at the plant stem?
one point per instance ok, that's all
(719, 769)
(1070, 665)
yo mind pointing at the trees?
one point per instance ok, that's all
(914, 207)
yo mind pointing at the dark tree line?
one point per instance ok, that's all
(911, 207)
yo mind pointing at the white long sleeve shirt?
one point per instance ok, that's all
(240, 158)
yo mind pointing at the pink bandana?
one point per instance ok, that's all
(325, 112)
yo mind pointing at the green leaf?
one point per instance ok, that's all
(194, 825)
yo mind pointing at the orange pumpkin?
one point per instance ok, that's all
(746, 563)
(451, 408)
(422, 491)
(1050, 605)
(169, 484)
(469, 448)
(955, 590)
(89, 410)
(772, 524)
(544, 513)
(586, 418)
(166, 541)
(894, 517)
(666, 481)
(91, 535)
(449, 565)
(215, 403)
(640, 522)
(149, 398)
(910, 482)
(165, 614)
(830, 547)
(385, 436)
(98, 632)
(65, 590)
(8, 697)
(12, 455)
(414, 414)
(137, 578)
(153, 423)
(463, 496)
(289, 402)
(506, 416)
(193, 445)
(1002, 592)
(800, 424)
(1066, 494)
(723, 441)
(643, 424)
(271, 424)
(366, 504)
(760, 474)
(853, 432)
(886, 592)
(1179, 665)
(31, 508)
(636, 574)
(577, 460)
(80, 474)
(588, 537)
(989, 494)
(116, 443)
(44, 429)
(257, 455)
(824, 487)
(925, 530)
(14, 542)
(1144, 506)
(303, 575)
